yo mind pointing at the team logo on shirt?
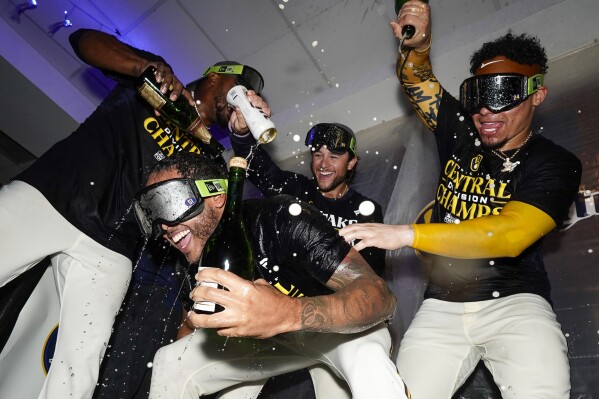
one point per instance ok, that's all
(475, 162)
(48, 349)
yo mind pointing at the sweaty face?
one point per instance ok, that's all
(190, 236)
(507, 130)
(329, 169)
(221, 106)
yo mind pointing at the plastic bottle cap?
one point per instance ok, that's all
(238, 162)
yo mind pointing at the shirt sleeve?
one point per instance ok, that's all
(266, 174)
(312, 239)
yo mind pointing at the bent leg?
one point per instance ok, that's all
(526, 350)
(363, 360)
(32, 229)
(92, 282)
(204, 363)
(435, 355)
(327, 384)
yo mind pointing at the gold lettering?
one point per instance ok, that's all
(293, 292)
(443, 195)
(489, 189)
(168, 150)
(450, 170)
(483, 210)
(501, 192)
(465, 212)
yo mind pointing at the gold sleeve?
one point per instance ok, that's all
(415, 74)
(507, 234)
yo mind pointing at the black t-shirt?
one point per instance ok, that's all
(340, 212)
(91, 176)
(472, 185)
(295, 254)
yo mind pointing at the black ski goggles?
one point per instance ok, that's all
(246, 76)
(172, 202)
(497, 92)
(335, 138)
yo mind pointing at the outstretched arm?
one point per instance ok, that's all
(106, 52)
(517, 227)
(256, 309)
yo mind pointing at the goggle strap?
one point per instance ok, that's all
(534, 82)
(212, 187)
(228, 69)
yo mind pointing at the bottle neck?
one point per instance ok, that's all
(234, 203)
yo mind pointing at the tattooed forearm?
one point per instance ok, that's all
(348, 270)
(421, 86)
(361, 300)
(313, 318)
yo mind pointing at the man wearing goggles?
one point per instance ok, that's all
(501, 189)
(301, 266)
(333, 164)
(173, 202)
(82, 189)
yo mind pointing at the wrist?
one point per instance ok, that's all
(412, 236)
(425, 49)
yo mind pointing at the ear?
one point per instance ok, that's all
(539, 96)
(217, 201)
(352, 162)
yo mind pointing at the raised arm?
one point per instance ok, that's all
(414, 68)
(106, 52)
(256, 309)
(263, 172)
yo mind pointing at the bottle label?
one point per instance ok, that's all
(154, 99)
(205, 306)
(238, 162)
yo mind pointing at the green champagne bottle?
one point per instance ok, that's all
(229, 246)
(179, 112)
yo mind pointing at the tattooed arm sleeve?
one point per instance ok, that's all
(415, 74)
(361, 300)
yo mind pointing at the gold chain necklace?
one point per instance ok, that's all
(508, 165)
(341, 194)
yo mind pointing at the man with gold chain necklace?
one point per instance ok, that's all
(501, 189)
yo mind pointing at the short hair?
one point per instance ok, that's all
(192, 166)
(524, 49)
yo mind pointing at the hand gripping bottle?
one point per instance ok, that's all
(262, 128)
(229, 246)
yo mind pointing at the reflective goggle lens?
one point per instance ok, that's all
(173, 201)
(247, 76)
(334, 137)
(497, 92)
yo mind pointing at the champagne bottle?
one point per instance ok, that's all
(229, 246)
(262, 128)
(179, 112)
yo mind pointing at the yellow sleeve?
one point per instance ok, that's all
(517, 227)
(415, 74)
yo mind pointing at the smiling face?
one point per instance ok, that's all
(330, 170)
(509, 129)
(190, 236)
